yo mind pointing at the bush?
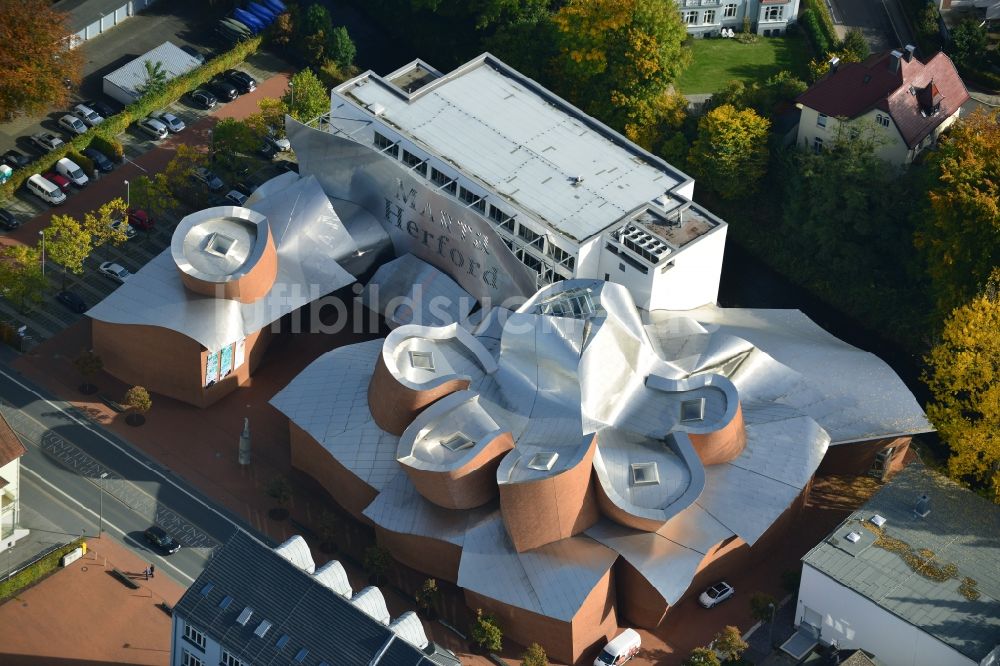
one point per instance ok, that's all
(812, 27)
(485, 632)
(36, 571)
(110, 147)
(83, 162)
(535, 656)
(822, 14)
(376, 562)
(762, 606)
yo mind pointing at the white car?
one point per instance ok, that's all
(236, 197)
(152, 128)
(116, 272)
(716, 594)
(88, 115)
(173, 123)
(47, 141)
(130, 231)
(73, 124)
(281, 144)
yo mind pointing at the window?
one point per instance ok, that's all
(645, 474)
(477, 202)
(708, 16)
(230, 660)
(882, 119)
(188, 659)
(458, 442)
(690, 17)
(729, 11)
(543, 461)
(774, 13)
(418, 165)
(443, 182)
(422, 360)
(817, 145)
(693, 410)
(503, 220)
(386, 145)
(527, 234)
(194, 635)
(562, 257)
(821, 119)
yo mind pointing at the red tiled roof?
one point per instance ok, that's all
(857, 88)
(10, 446)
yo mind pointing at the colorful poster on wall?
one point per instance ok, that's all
(211, 368)
(225, 361)
(241, 353)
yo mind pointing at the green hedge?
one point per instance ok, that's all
(103, 136)
(812, 27)
(36, 571)
(821, 14)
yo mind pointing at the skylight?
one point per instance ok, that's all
(220, 244)
(645, 474)
(853, 537)
(282, 642)
(877, 520)
(693, 410)
(543, 461)
(208, 588)
(244, 616)
(422, 360)
(226, 600)
(301, 656)
(457, 442)
(263, 628)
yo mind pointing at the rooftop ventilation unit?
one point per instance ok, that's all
(853, 537)
(877, 520)
(922, 507)
(693, 410)
(262, 628)
(376, 108)
(645, 474)
(543, 461)
(577, 181)
(457, 442)
(244, 616)
(422, 360)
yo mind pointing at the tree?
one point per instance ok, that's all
(279, 488)
(376, 562)
(616, 58)
(535, 656)
(341, 48)
(98, 224)
(328, 528)
(729, 643)
(138, 402)
(668, 114)
(67, 243)
(968, 43)
(763, 98)
(35, 59)
(484, 13)
(153, 194)
(178, 172)
(21, 278)
(818, 67)
(156, 78)
(428, 596)
(762, 606)
(232, 138)
(88, 364)
(306, 97)
(282, 31)
(730, 153)
(485, 632)
(855, 45)
(959, 236)
(702, 656)
(964, 378)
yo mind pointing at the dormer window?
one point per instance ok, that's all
(457, 442)
(693, 410)
(422, 360)
(543, 462)
(645, 474)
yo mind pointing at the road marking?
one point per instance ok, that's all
(107, 522)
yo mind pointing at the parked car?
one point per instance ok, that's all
(71, 170)
(158, 537)
(72, 124)
(8, 221)
(74, 302)
(280, 143)
(100, 160)
(15, 159)
(59, 179)
(716, 594)
(194, 53)
(223, 89)
(45, 190)
(47, 141)
(236, 197)
(130, 232)
(620, 649)
(152, 128)
(90, 117)
(116, 272)
(202, 98)
(243, 81)
(100, 107)
(268, 150)
(140, 219)
(209, 179)
(173, 123)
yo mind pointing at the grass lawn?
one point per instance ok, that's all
(715, 62)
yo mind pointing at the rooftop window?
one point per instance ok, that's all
(543, 461)
(220, 244)
(457, 442)
(645, 474)
(226, 600)
(207, 589)
(693, 410)
(263, 628)
(282, 641)
(301, 656)
(422, 360)
(244, 616)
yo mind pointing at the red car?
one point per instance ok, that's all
(140, 219)
(59, 179)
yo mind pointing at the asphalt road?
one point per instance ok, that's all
(62, 485)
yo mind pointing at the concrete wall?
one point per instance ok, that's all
(857, 622)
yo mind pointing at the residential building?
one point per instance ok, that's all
(90, 18)
(913, 576)
(706, 18)
(257, 605)
(11, 450)
(907, 101)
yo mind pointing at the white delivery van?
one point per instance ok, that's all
(623, 647)
(72, 170)
(45, 190)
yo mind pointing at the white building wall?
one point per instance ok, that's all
(588, 259)
(694, 279)
(11, 472)
(857, 622)
(210, 656)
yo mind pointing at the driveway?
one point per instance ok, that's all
(867, 15)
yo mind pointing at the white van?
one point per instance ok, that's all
(72, 170)
(622, 648)
(45, 190)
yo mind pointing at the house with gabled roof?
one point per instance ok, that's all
(909, 102)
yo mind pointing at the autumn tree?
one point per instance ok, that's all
(98, 223)
(153, 194)
(616, 58)
(855, 45)
(730, 153)
(762, 97)
(959, 237)
(306, 97)
(485, 632)
(702, 656)
(138, 402)
(535, 656)
(21, 278)
(730, 644)
(232, 138)
(88, 364)
(846, 53)
(177, 174)
(67, 243)
(964, 378)
(35, 57)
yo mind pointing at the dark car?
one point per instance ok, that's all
(268, 150)
(222, 89)
(100, 160)
(72, 301)
(15, 159)
(243, 81)
(202, 98)
(194, 53)
(8, 221)
(140, 219)
(101, 108)
(166, 543)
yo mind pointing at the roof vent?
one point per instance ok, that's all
(922, 507)
(693, 410)
(244, 616)
(853, 537)
(663, 201)
(457, 442)
(543, 461)
(376, 108)
(422, 360)
(645, 474)
(877, 520)
(834, 63)
(577, 181)
(262, 628)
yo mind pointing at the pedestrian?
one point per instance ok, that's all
(145, 572)
(152, 570)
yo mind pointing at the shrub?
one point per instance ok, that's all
(702, 656)
(811, 24)
(428, 596)
(485, 632)
(376, 561)
(535, 656)
(36, 571)
(762, 606)
(83, 162)
(109, 146)
(822, 14)
(279, 489)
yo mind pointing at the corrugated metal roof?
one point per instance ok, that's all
(131, 77)
(962, 529)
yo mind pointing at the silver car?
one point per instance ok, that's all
(116, 272)
(88, 115)
(73, 124)
(152, 128)
(173, 123)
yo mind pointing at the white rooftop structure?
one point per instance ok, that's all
(125, 82)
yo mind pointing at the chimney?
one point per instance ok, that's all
(894, 59)
(834, 63)
(911, 50)
(922, 507)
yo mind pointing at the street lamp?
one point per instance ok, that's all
(211, 148)
(128, 196)
(10, 558)
(42, 234)
(100, 528)
(291, 91)
(770, 628)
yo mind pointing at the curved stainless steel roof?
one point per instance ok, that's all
(219, 244)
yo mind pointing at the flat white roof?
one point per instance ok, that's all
(525, 143)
